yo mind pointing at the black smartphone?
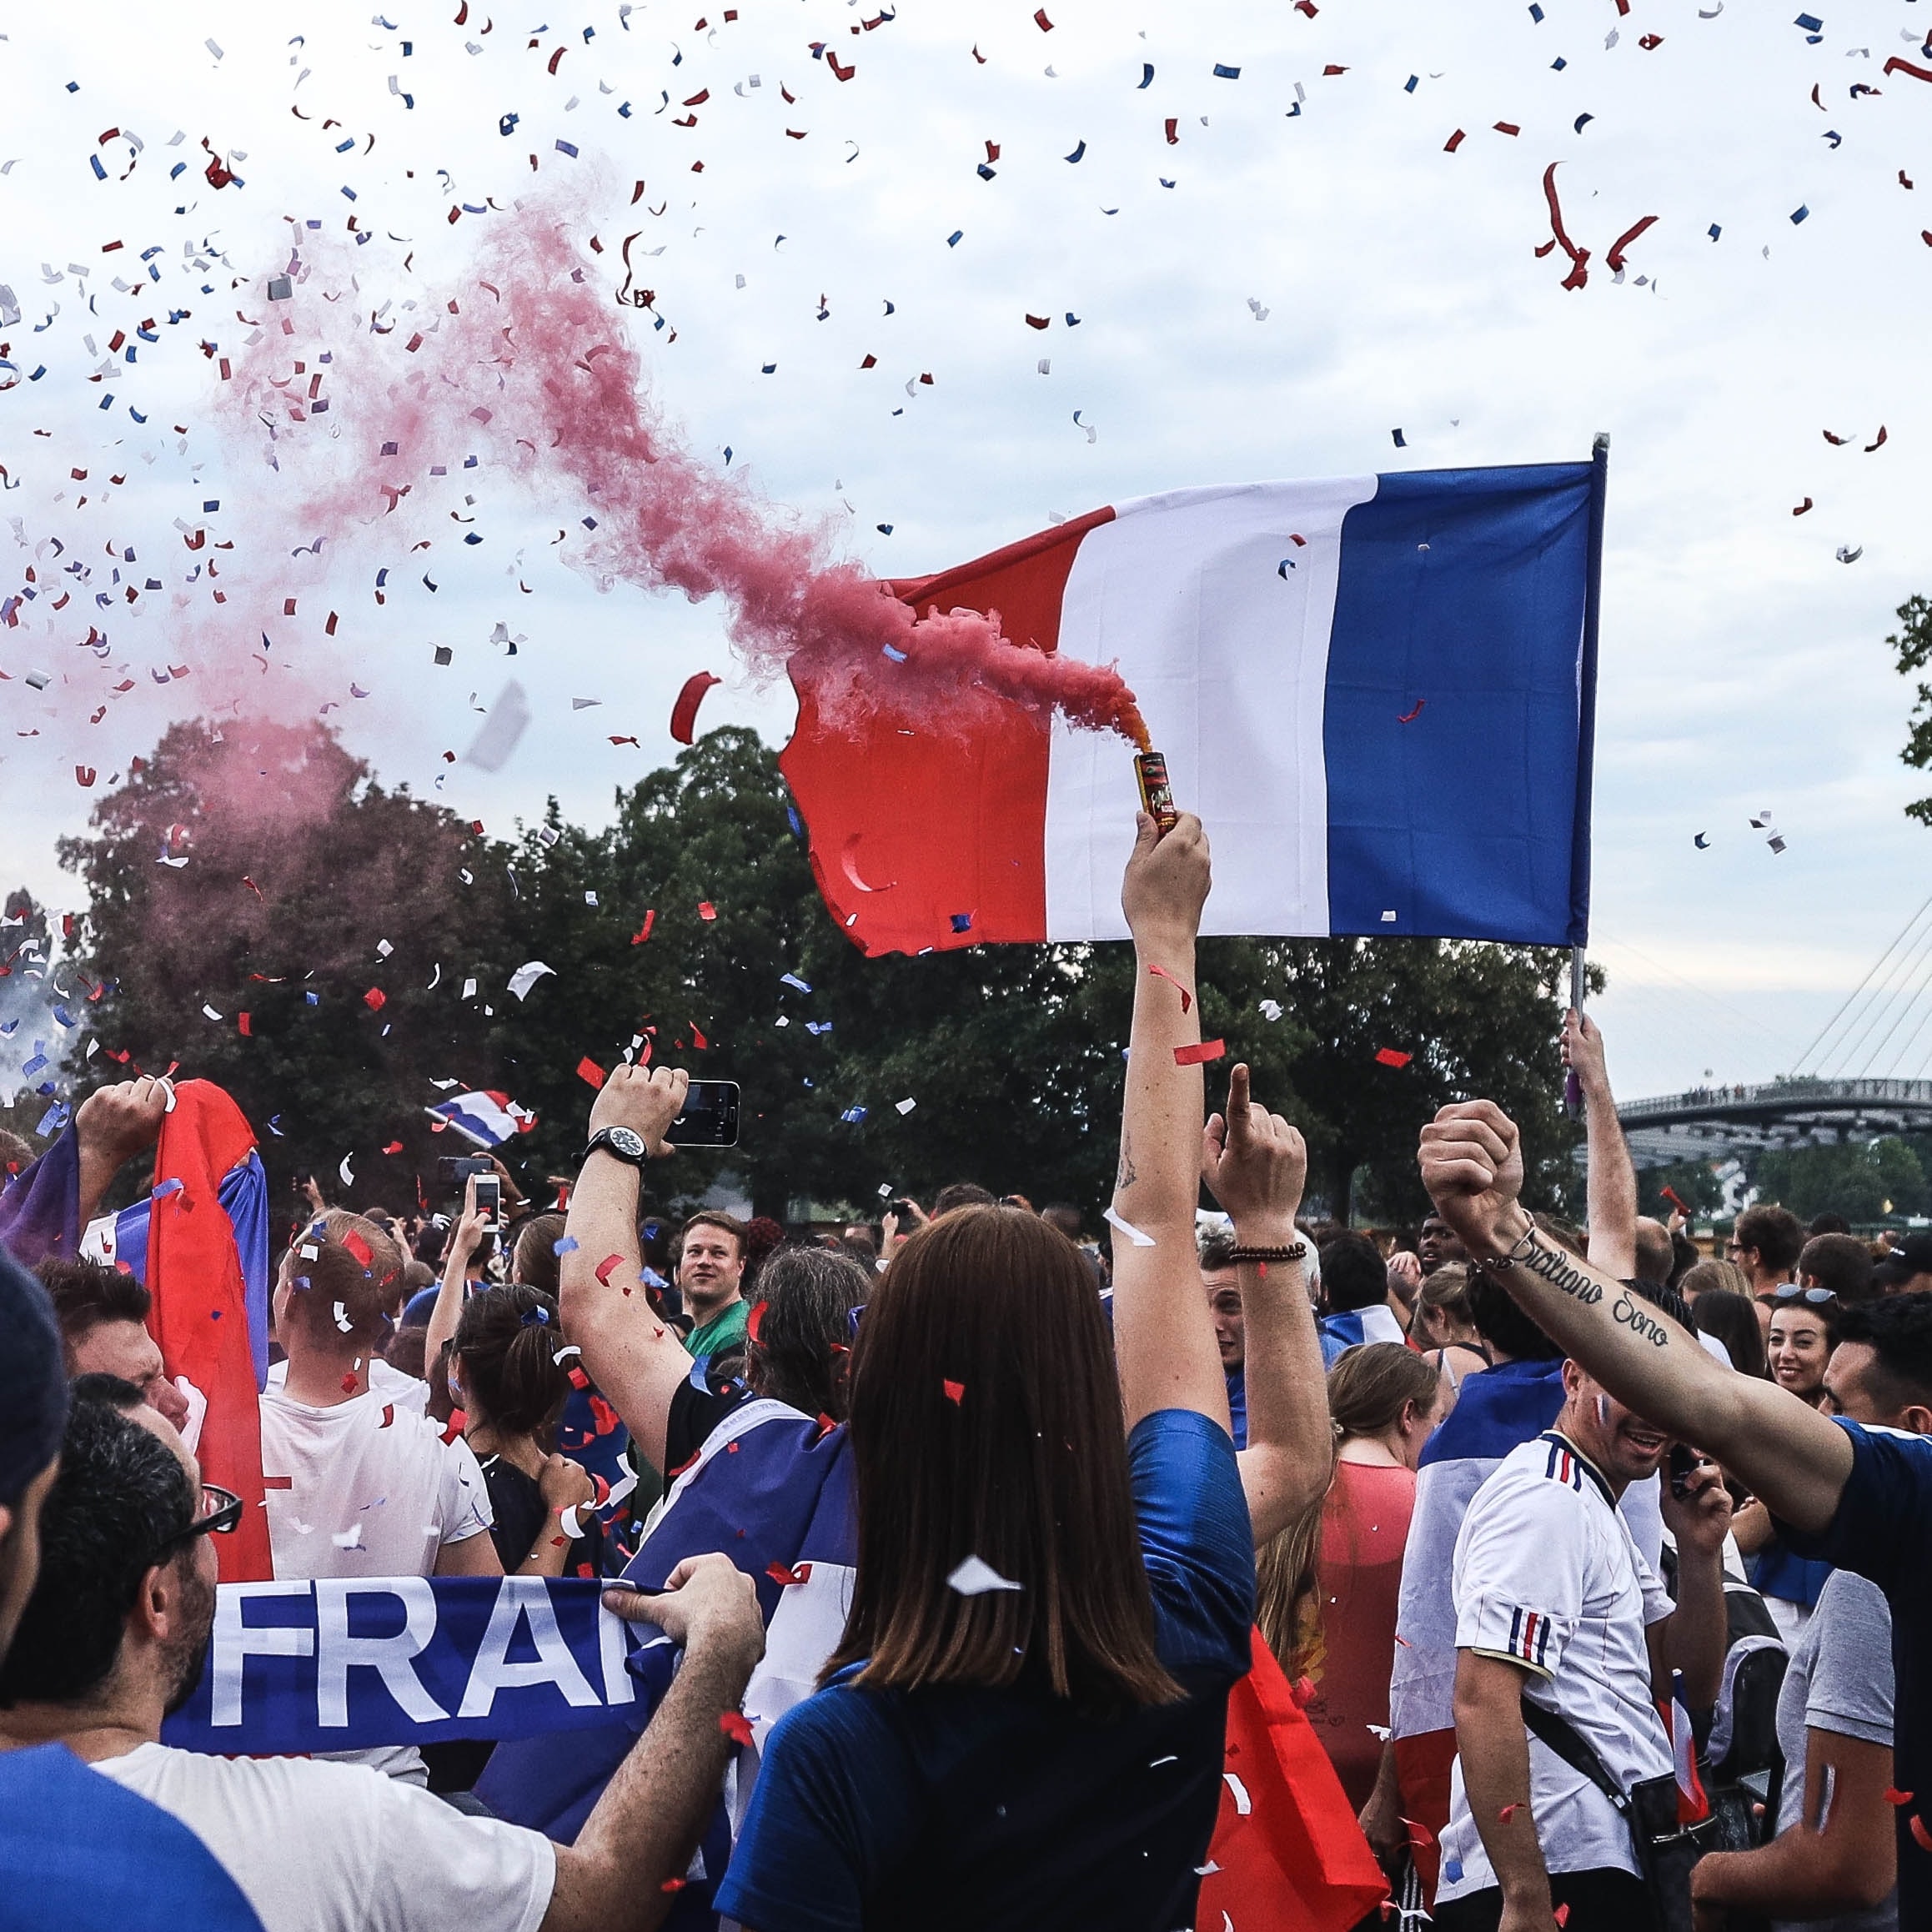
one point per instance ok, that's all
(710, 1118)
(1684, 1464)
(453, 1170)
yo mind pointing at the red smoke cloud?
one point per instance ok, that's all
(530, 361)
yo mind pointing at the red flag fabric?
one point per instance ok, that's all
(1291, 1856)
(199, 1317)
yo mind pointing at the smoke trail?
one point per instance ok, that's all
(532, 361)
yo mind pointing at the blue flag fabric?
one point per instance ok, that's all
(346, 1663)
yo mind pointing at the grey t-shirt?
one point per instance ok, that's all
(1841, 1680)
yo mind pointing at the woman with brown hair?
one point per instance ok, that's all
(1022, 1725)
(1384, 1399)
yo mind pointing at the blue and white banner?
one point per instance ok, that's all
(346, 1662)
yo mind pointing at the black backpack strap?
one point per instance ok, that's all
(1562, 1738)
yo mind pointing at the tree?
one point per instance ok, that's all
(1912, 647)
(1861, 1180)
(266, 915)
(1694, 1182)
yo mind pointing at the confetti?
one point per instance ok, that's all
(954, 1391)
(1162, 972)
(974, 1577)
(607, 1267)
(1391, 1056)
(684, 711)
(526, 976)
(736, 1726)
(1208, 1050)
(1120, 1224)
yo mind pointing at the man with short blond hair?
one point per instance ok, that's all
(713, 1249)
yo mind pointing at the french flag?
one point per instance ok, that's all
(1378, 692)
(485, 1119)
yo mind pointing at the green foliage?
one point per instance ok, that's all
(1012, 1055)
(1694, 1182)
(1913, 649)
(1862, 1180)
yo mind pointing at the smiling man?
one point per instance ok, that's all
(711, 1279)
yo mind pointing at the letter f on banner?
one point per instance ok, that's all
(235, 1641)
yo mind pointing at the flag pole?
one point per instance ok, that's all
(1586, 723)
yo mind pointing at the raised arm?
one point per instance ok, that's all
(1255, 1164)
(463, 1239)
(632, 1357)
(1163, 1339)
(113, 1125)
(1612, 1189)
(1796, 1460)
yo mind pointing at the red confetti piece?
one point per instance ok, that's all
(954, 1392)
(1419, 1835)
(1160, 972)
(389, 1416)
(278, 1482)
(1877, 442)
(1173, 133)
(394, 1147)
(607, 1267)
(706, 911)
(1615, 257)
(1921, 1837)
(698, 1039)
(1579, 258)
(1410, 717)
(1390, 1056)
(1650, 42)
(1041, 21)
(1454, 142)
(674, 1884)
(1332, 69)
(590, 1072)
(1893, 1795)
(246, 1029)
(643, 932)
(1508, 127)
(684, 711)
(779, 1573)
(603, 1418)
(1508, 1812)
(1562, 1914)
(1199, 1056)
(375, 999)
(348, 1385)
(755, 1321)
(735, 1725)
(1895, 65)
(1799, 510)
(579, 1379)
(1302, 1691)
(359, 1248)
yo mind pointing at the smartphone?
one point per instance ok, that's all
(1683, 1463)
(453, 1170)
(710, 1118)
(489, 1199)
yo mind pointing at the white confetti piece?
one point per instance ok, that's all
(347, 1176)
(975, 1579)
(522, 980)
(905, 1106)
(1243, 1804)
(1127, 1227)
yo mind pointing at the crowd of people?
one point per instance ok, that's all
(1596, 1563)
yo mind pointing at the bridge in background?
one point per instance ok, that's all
(1714, 1123)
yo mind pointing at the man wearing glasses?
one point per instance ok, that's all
(115, 1638)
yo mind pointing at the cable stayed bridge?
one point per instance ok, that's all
(1868, 1072)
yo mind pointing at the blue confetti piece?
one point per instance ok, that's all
(986, 174)
(345, 146)
(1810, 22)
(567, 148)
(471, 537)
(8, 1028)
(506, 124)
(350, 192)
(1409, 85)
(30, 1067)
(210, 505)
(792, 979)
(1798, 215)
(590, 523)
(1163, 181)
(1452, 1870)
(100, 172)
(53, 1121)
(270, 1124)
(817, 1026)
(1147, 75)
(1400, 442)
(768, 368)
(1558, 65)
(172, 1184)
(853, 1115)
(962, 922)
(73, 87)
(61, 1017)
(1581, 119)
(1536, 13)
(1281, 568)
(1715, 231)
(796, 823)
(313, 999)
(884, 529)
(953, 240)
(534, 1318)
(896, 656)
(1076, 154)
(1226, 73)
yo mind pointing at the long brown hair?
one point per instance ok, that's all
(507, 1340)
(1370, 1386)
(985, 1422)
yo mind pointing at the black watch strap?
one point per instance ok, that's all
(600, 1142)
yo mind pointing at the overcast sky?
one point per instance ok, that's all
(1744, 666)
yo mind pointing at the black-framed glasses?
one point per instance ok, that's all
(219, 1512)
(1790, 1291)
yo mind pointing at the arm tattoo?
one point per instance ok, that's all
(1555, 1267)
(1125, 1177)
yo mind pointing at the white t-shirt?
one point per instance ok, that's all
(334, 1848)
(390, 1383)
(366, 1487)
(1547, 1576)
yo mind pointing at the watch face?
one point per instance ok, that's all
(624, 1142)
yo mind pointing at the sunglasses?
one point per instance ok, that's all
(1790, 1291)
(219, 1513)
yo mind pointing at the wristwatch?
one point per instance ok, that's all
(620, 1142)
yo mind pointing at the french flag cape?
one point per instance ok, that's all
(1495, 1411)
(1378, 692)
(199, 1244)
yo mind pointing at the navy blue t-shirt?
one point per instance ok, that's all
(78, 1851)
(958, 1806)
(1882, 1530)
